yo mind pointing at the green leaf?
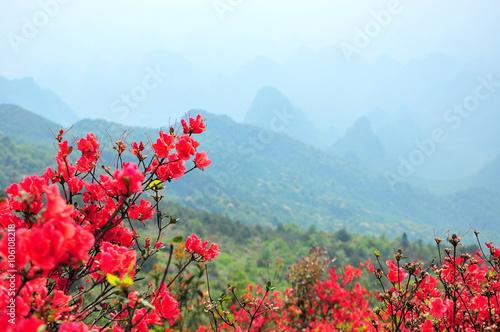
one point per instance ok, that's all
(177, 239)
(127, 281)
(112, 279)
(115, 281)
(154, 183)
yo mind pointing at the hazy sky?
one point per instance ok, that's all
(235, 32)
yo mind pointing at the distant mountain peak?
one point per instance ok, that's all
(488, 176)
(271, 109)
(26, 93)
(361, 126)
(361, 145)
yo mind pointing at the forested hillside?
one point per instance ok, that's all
(20, 159)
(279, 180)
(262, 177)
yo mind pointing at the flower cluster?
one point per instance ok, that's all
(195, 246)
(460, 293)
(70, 232)
(313, 303)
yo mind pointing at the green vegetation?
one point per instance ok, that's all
(18, 160)
(264, 178)
(285, 181)
(246, 250)
(20, 123)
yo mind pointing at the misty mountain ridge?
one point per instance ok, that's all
(360, 145)
(18, 122)
(285, 181)
(488, 176)
(273, 111)
(331, 95)
(28, 94)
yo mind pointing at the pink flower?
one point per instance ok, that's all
(164, 145)
(201, 160)
(137, 149)
(437, 308)
(74, 327)
(195, 126)
(194, 245)
(142, 212)
(186, 147)
(128, 180)
(89, 147)
(176, 166)
(116, 260)
(167, 305)
(64, 150)
(395, 274)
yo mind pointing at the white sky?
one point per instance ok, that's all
(115, 30)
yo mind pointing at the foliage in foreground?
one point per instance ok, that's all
(460, 292)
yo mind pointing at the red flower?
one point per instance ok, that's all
(89, 147)
(164, 144)
(428, 326)
(74, 327)
(144, 319)
(85, 164)
(128, 180)
(438, 308)
(194, 245)
(64, 150)
(201, 160)
(395, 274)
(116, 260)
(144, 210)
(94, 193)
(212, 252)
(137, 149)
(75, 185)
(167, 305)
(186, 147)
(176, 166)
(65, 169)
(195, 126)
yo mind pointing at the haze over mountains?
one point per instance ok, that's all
(26, 93)
(403, 105)
(401, 134)
(277, 182)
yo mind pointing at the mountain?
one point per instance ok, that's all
(20, 159)
(283, 180)
(321, 83)
(29, 95)
(271, 110)
(360, 145)
(15, 121)
(488, 176)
